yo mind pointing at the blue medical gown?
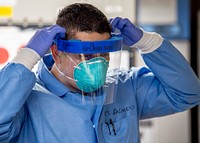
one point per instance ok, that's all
(40, 109)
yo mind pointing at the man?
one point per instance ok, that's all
(55, 107)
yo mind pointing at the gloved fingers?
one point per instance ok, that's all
(127, 40)
(62, 35)
(114, 22)
(113, 28)
(129, 31)
(120, 23)
(55, 29)
(124, 22)
(110, 20)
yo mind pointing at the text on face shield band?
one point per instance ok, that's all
(90, 47)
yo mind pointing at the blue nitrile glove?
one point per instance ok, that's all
(43, 39)
(129, 31)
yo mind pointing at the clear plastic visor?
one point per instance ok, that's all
(92, 75)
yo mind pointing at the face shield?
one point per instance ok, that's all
(92, 64)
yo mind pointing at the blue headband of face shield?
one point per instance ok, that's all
(89, 47)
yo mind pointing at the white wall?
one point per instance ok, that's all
(11, 40)
(45, 11)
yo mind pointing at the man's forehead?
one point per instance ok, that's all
(91, 36)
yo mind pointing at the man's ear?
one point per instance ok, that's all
(55, 53)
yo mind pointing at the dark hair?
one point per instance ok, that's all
(82, 17)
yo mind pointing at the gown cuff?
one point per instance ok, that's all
(149, 42)
(27, 57)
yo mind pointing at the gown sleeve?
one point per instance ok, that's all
(168, 86)
(16, 83)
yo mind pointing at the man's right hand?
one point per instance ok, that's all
(43, 39)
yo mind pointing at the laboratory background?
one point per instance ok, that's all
(176, 20)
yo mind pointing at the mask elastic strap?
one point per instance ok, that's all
(64, 74)
(76, 65)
